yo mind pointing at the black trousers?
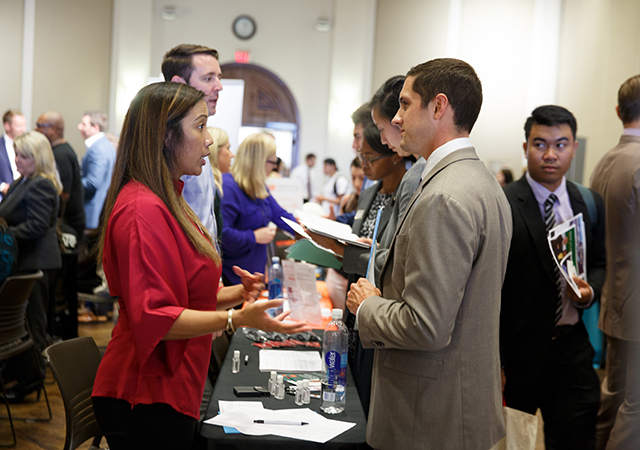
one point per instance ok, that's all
(565, 387)
(157, 426)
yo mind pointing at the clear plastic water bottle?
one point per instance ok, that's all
(276, 283)
(335, 346)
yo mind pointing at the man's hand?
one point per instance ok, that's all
(360, 291)
(585, 291)
(252, 284)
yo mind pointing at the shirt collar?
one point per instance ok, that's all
(632, 131)
(8, 142)
(179, 185)
(444, 150)
(541, 193)
(92, 140)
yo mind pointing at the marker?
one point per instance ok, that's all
(246, 359)
(279, 422)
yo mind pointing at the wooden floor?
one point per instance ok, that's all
(50, 435)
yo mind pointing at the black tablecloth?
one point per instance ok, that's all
(214, 437)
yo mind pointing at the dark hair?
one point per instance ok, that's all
(457, 80)
(362, 115)
(372, 136)
(330, 161)
(550, 116)
(8, 116)
(154, 115)
(629, 100)
(309, 156)
(356, 163)
(177, 61)
(508, 176)
(385, 100)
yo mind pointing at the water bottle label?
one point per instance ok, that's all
(329, 396)
(332, 360)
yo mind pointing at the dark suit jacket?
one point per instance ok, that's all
(529, 295)
(6, 174)
(31, 209)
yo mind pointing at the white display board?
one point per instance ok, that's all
(228, 116)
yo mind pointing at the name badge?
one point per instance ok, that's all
(359, 214)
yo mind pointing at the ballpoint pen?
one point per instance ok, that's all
(279, 422)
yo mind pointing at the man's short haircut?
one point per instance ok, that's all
(309, 156)
(362, 115)
(629, 100)
(550, 116)
(386, 99)
(97, 118)
(8, 116)
(457, 80)
(177, 61)
(331, 162)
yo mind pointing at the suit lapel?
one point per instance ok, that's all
(458, 155)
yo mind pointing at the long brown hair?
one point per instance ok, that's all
(153, 120)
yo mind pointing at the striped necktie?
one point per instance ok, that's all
(549, 223)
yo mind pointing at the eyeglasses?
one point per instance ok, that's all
(365, 159)
(44, 125)
(275, 163)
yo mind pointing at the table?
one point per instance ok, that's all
(214, 437)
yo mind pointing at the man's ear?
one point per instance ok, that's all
(440, 102)
(524, 146)
(575, 147)
(618, 112)
(178, 79)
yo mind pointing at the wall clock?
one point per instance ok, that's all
(244, 27)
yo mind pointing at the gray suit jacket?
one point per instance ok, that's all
(436, 371)
(617, 179)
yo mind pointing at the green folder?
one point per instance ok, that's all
(305, 250)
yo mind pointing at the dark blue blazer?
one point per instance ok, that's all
(6, 174)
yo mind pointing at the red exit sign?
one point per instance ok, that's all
(242, 56)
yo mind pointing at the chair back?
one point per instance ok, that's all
(14, 295)
(74, 364)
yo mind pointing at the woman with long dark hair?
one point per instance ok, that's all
(162, 265)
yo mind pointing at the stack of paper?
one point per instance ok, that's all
(290, 361)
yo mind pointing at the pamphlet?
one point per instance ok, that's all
(568, 246)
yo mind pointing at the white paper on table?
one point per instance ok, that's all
(290, 361)
(320, 429)
(302, 292)
(224, 406)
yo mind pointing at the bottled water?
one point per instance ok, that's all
(335, 344)
(276, 280)
(236, 362)
(279, 395)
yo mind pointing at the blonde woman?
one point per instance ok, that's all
(248, 208)
(30, 209)
(220, 163)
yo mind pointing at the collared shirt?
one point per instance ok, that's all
(11, 153)
(199, 193)
(444, 150)
(632, 131)
(563, 212)
(92, 140)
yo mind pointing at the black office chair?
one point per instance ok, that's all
(15, 337)
(74, 364)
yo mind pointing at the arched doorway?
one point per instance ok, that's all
(268, 102)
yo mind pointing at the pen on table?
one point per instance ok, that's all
(246, 359)
(280, 422)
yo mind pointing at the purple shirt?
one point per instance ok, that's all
(241, 215)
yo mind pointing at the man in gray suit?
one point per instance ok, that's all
(617, 179)
(434, 326)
